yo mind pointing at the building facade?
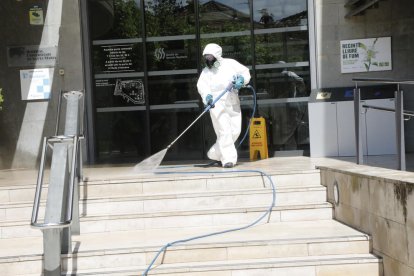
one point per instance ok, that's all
(138, 63)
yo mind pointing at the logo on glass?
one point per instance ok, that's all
(159, 54)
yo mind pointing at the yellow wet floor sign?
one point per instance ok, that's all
(258, 139)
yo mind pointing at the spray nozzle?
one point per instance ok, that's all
(238, 82)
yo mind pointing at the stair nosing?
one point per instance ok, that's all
(177, 176)
(158, 196)
(240, 265)
(194, 246)
(150, 214)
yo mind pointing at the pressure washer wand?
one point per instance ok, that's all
(208, 107)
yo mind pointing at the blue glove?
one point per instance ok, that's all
(238, 82)
(209, 100)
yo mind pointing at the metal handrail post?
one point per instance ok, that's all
(358, 127)
(80, 160)
(72, 127)
(58, 113)
(69, 213)
(74, 194)
(39, 185)
(399, 124)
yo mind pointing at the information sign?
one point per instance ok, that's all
(36, 83)
(366, 55)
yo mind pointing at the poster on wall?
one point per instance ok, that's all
(35, 84)
(366, 55)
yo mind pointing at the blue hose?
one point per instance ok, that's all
(268, 211)
(251, 116)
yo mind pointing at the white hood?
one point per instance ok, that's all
(213, 49)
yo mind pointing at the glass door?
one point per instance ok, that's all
(172, 62)
(120, 93)
(283, 71)
(228, 24)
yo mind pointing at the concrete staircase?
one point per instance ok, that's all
(126, 219)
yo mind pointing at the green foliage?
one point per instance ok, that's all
(127, 19)
(363, 46)
(370, 54)
(169, 17)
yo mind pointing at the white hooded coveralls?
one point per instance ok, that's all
(226, 115)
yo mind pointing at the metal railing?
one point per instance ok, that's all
(399, 116)
(47, 141)
(61, 218)
(406, 113)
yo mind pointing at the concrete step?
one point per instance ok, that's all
(197, 181)
(123, 205)
(120, 250)
(126, 218)
(99, 185)
(337, 265)
(175, 219)
(154, 208)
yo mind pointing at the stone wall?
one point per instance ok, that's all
(379, 202)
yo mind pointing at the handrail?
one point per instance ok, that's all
(76, 161)
(405, 112)
(69, 213)
(63, 190)
(399, 116)
(383, 81)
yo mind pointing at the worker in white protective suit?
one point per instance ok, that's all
(226, 114)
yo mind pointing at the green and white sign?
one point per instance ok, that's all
(366, 55)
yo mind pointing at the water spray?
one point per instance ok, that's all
(151, 163)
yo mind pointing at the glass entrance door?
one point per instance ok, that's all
(228, 24)
(282, 71)
(172, 62)
(145, 62)
(146, 59)
(119, 89)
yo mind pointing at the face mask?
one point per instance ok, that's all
(210, 60)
